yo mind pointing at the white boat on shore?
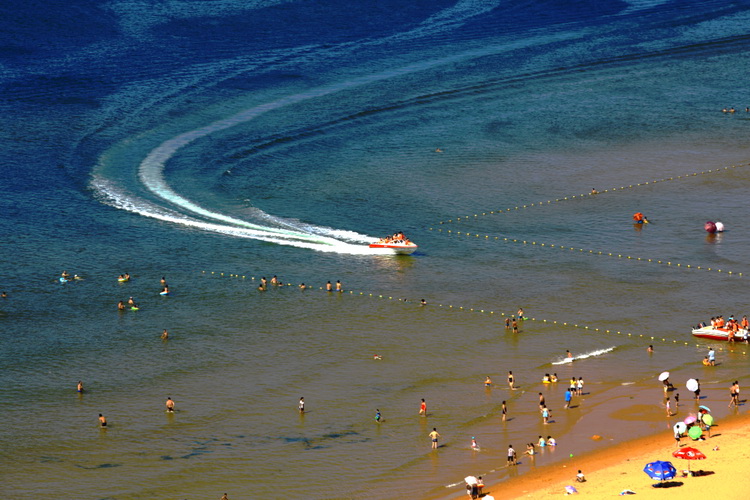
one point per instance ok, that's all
(712, 333)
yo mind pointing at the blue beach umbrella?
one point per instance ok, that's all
(660, 470)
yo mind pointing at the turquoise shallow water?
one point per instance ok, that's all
(214, 144)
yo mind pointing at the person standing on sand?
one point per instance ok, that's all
(423, 408)
(511, 381)
(504, 410)
(667, 406)
(568, 398)
(697, 391)
(434, 437)
(541, 400)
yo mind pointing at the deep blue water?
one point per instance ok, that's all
(190, 139)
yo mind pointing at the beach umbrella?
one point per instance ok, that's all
(680, 428)
(470, 480)
(663, 376)
(701, 407)
(692, 385)
(690, 419)
(689, 453)
(708, 420)
(660, 470)
(695, 432)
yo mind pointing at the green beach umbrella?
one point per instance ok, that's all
(695, 432)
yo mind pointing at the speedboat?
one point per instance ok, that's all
(709, 332)
(398, 247)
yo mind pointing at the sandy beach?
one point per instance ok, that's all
(618, 468)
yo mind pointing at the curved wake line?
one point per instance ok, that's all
(151, 169)
(584, 356)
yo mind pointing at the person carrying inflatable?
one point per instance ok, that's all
(639, 218)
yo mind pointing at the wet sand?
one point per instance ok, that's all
(618, 468)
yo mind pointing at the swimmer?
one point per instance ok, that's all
(507, 323)
(164, 334)
(4, 295)
(121, 306)
(434, 437)
(76, 277)
(554, 377)
(170, 404)
(302, 286)
(438, 150)
(329, 287)
(487, 381)
(224, 497)
(514, 323)
(422, 302)
(594, 191)
(377, 415)
(423, 408)
(511, 381)
(520, 313)
(261, 288)
(546, 379)
(551, 441)
(650, 349)
(377, 357)
(274, 280)
(165, 290)
(102, 421)
(474, 445)
(131, 302)
(64, 274)
(504, 410)
(127, 276)
(339, 287)
(163, 281)
(80, 386)
(568, 354)
(301, 405)
(263, 281)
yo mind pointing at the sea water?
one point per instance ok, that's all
(215, 143)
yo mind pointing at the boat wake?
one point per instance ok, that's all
(584, 356)
(164, 203)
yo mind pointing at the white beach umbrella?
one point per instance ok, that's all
(692, 385)
(663, 376)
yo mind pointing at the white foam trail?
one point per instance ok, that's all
(151, 169)
(584, 356)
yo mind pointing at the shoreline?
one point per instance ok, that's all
(616, 468)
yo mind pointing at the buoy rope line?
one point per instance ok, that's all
(451, 307)
(588, 195)
(667, 263)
